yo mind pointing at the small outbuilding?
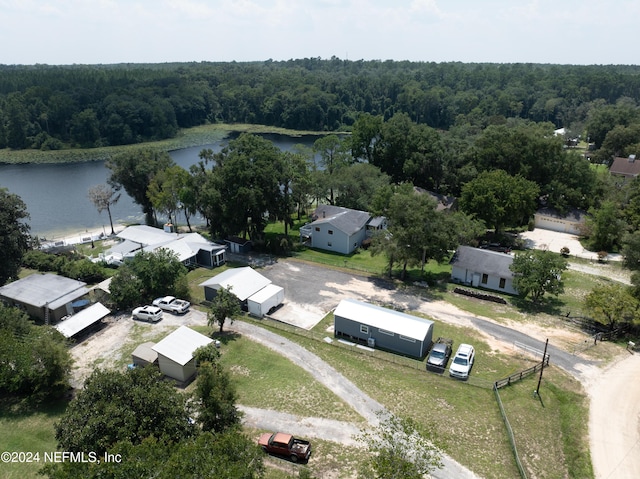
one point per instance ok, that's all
(48, 297)
(83, 320)
(175, 353)
(238, 245)
(268, 298)
(144, 354)
(244, 282)
(379, 327)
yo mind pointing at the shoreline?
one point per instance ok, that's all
(73, 236)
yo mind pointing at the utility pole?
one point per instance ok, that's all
(544, 357)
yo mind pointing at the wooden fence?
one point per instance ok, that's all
(500, 383)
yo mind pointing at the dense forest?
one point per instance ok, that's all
(53, 107)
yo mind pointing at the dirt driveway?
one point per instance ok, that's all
(102, 348)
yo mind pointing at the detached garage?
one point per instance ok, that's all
(244, 282)
(383, 328)
(175, 353)
(271, 296)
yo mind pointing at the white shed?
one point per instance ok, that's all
(175, 353)
(268, 297)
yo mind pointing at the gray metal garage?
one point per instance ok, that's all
(383, 328)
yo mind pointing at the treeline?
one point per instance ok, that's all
(51, 107)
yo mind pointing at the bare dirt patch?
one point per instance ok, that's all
(102, 349)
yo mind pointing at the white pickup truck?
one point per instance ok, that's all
(172, 304)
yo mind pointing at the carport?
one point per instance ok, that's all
(81, 321)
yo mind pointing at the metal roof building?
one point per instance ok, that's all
(383, 328)
(44, 296)
(244, 282)
(175, 353)
(190, 248)
(82, 320)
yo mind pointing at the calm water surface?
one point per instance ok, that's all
(56, 195)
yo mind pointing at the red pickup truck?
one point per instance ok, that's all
(284, 444)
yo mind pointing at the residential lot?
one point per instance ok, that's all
(311, 292)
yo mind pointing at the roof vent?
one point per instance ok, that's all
(632, 158)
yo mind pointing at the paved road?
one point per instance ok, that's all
(571, 363)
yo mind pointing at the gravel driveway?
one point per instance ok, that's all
(615, 393)
(336, 382)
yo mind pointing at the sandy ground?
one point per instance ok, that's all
(614, 420)
(554, 241)
(102, 348)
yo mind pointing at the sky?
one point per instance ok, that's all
(62, 32)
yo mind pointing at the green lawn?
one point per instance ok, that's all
(464, 418)
(28, 432)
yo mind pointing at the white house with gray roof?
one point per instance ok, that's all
(338, 229)
(482, 268)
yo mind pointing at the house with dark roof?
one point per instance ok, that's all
(626, 168)
(443, 202)
(338, 229)
(483, 268)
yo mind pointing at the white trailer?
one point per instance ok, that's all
(260, 303)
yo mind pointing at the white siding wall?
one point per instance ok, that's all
(465, 276)
(337, 241)
(171, 368)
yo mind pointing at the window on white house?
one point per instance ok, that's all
(411, 340)
(485, 278)
(502, 283)
(364, 329)
(330, 232)
(384, 331)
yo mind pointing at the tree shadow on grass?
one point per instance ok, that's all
(225, 337)
(548, 305)
(14, 407)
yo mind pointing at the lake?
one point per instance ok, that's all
(56, 194)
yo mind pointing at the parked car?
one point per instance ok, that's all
(152, 314)
(439, 355)
(462, 362)
(284, 444)
(172, 304)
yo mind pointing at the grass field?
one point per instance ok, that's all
(196, 136)
(465, 418)
(31, 432)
